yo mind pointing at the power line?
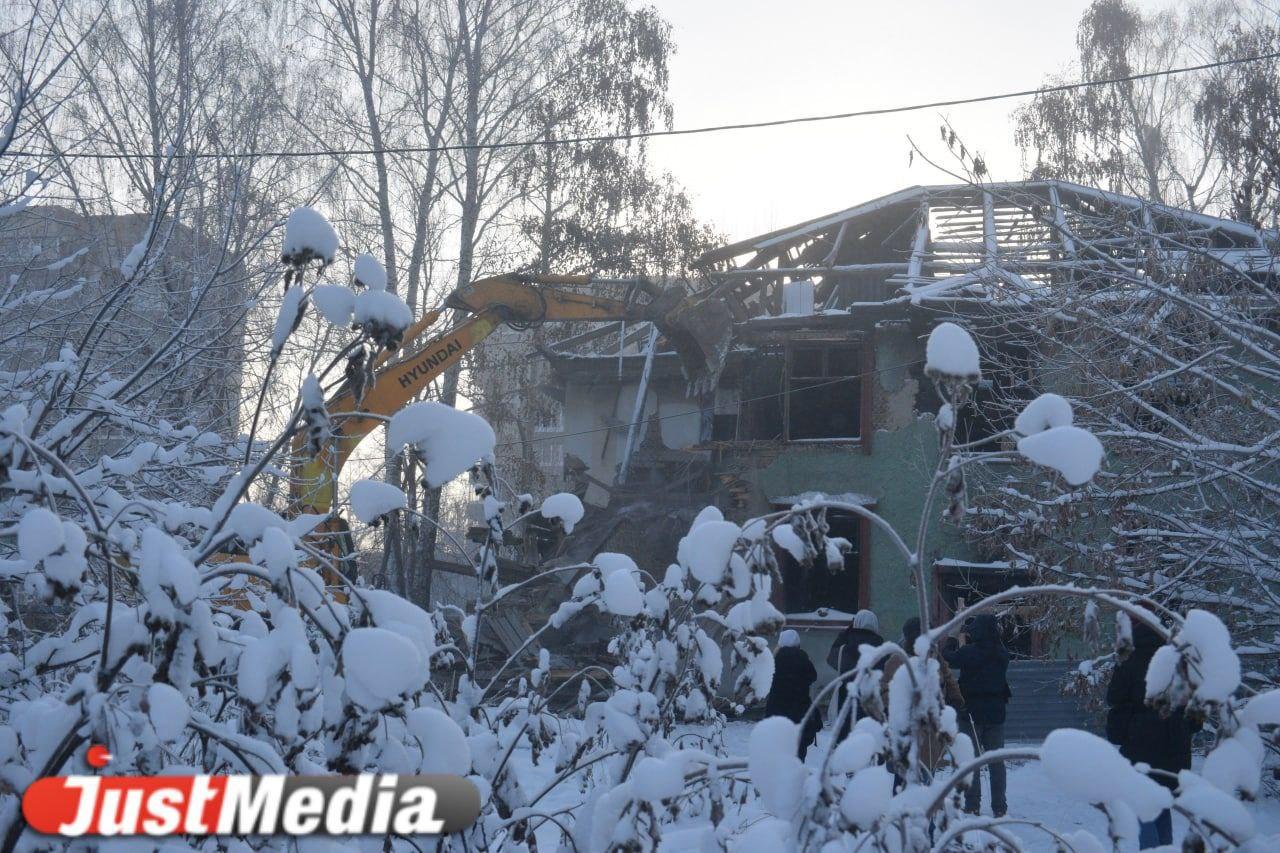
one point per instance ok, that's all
(688, 131)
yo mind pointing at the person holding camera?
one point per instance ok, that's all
(983, 663)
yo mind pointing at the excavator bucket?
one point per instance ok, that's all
(697, 327)
(700, 330)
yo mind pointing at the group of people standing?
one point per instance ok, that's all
(980, 695)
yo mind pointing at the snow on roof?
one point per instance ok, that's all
(822, 614)
(924, 193)
(806, 497)
(992, 566)
(950, 244)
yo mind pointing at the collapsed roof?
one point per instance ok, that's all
(966, 242)
(948, 244)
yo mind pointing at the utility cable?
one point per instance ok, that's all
(652, 134)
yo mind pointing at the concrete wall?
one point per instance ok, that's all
(591, 409)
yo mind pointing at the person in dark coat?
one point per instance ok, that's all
(983, 662)
(1142, 734)
(793, 675)
(863, 630)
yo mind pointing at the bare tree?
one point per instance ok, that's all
(1240, 104)
(1163, 333)
(1138, 136)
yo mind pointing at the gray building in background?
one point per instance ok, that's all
(61, 281)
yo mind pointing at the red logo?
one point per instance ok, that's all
(72, 806)
(97, 756)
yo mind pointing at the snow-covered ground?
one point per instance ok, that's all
(1031, 797)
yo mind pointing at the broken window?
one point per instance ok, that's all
(824, 392)
(724, 418)
(801, 392)
(807, 588)
(762, 392)
(996, 400)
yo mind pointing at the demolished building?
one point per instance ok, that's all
(823, 390)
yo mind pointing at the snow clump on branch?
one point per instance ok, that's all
(565, 507)
(621, 595)
(1044, 412)
(308, 236)
(372, 499)
(382, 316)
(1198, 669)
(381, 667)
(775, 770)
(1087, 768)
(129, 266)
(292, 307)
(1073, 452)
(952, 354)
(450, 440)
(40, 533)
(336, 303)
(315, 417)
(367, 272)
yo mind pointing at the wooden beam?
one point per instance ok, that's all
(835, 247)
(1060, 223)
(866, 399)
(790, 271)
(637, 411)
(968, 247)
(918, 245)
(990, 249)
(784, 260)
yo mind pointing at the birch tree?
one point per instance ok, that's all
(1138, 136)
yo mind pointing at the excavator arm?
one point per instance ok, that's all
(699, 331)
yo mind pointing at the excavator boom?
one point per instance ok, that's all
(699, 331)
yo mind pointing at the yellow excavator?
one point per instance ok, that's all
(699, 329)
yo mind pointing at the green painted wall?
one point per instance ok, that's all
(895, 475)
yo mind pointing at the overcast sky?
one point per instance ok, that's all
(747, 60)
